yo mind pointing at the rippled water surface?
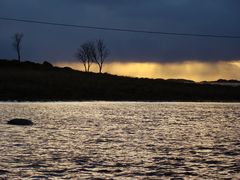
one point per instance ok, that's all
(111, 140)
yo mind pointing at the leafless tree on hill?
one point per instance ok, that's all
(102, 53)
(84, 54)
(93, 52)
(17, 39)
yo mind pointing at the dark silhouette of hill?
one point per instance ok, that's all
(223, 82)
(28, 81)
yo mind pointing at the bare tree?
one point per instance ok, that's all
(81, 55)
(92, 52)
(85, 54)
(102, 53)
(17, 39)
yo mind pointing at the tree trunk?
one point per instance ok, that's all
(88, 68)
(100, 68)
(85, 67)
(19, 56)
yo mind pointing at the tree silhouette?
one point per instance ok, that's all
(92, 52)
(81, 55)
(17, 39)
(85, 54)
(102, 53)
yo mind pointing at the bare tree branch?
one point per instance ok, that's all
(102, 53)
(86, 55)
(17, 39)
(93, 52)
(81, 55)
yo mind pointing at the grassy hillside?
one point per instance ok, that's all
(29, 81)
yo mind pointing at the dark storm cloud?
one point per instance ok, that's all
(183, 16)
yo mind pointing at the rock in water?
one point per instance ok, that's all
(3, 172)
(20, 122)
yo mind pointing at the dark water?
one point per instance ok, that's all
(121, 141)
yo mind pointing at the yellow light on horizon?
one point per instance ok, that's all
(192, 70)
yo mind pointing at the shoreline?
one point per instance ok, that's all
(124, 101)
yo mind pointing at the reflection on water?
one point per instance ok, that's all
(121, 141)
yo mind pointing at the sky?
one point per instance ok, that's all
(59, 44)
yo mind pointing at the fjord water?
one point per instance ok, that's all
(120, 140)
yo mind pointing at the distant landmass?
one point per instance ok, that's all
(223, 82)
(28, 81)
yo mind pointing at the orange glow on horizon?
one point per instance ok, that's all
(192, 70)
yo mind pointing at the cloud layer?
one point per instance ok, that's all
(185, 16)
